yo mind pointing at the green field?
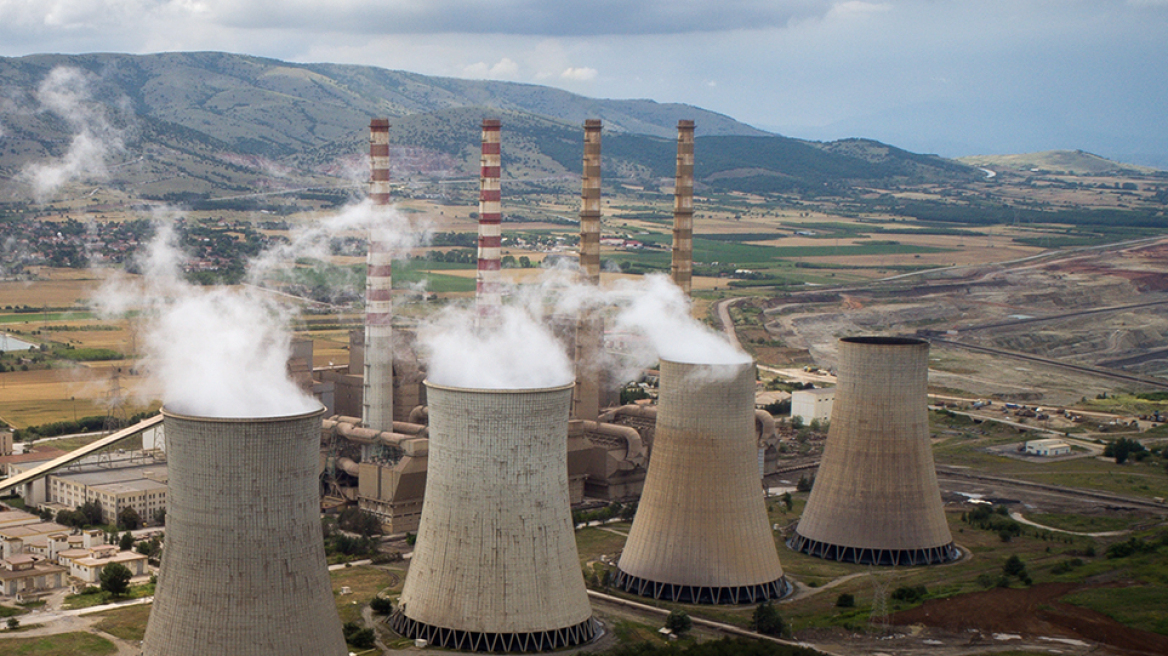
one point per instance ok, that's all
(64, 644)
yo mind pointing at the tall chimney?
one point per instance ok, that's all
(488, 295)
(682, 267)
(590, 329)
(377, 412)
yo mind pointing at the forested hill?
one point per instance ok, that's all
(209, 123)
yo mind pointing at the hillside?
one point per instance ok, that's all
(214, 124)
(1071, 162)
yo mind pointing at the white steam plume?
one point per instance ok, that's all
(65, 91)
(223, 351)
(518, 351)
(383, 223)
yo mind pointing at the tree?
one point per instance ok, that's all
(160, 517)
(128, 519)
(91, 512)
(127, 541)
(381, 605)
(115, 579)
(1014, 566)
(796, 422)
(787, 500)
(13, 624)
(767, 620)
(678, 622)
(845, 601)
(805, 484)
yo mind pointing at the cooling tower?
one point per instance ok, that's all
(377, 410)
(681, 269)
(495, 566)
(701, 533)
(875, 498)
(243, 572)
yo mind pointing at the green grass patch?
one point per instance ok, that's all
(127, 623)
(9, 611)
(593, 541)
(35, 317)
(1083, 523)
(1140, 607)
(97, 596)
(364, 582)
(62, 644)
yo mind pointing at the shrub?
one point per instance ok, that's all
(845, 601)
(909, 594)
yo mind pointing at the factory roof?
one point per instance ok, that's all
(123, 487)
(93, 476)
(815, 391)
(33, 530)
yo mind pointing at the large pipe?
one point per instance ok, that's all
(495, 566)
(488, 294)
(635, 449)
(876, 498)
(681, 268)
(244, 568)
(701, 533)
(377, 410)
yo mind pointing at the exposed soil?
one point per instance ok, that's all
(1034, 611)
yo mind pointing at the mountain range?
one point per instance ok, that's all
(209, 124)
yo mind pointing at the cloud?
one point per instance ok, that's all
(504, 69)
(582, 74)
(528, 17)
(66, 92)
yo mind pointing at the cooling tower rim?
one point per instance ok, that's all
(884, 340)
(243, 420)
(491, 390)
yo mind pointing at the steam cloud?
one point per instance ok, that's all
(222, 352)
(518, 350)
(65, 91)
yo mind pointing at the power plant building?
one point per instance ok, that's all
(876, 500)
(495, 566)
(244, 569)
(701, 533)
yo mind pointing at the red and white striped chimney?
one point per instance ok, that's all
(488, 294)
(377, 412)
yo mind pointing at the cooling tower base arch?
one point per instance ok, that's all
(881, 557)
(535, 641)
(712, 595)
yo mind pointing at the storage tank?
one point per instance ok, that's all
(875, 499)
(495, 566)
(243, 571)
(701, 533)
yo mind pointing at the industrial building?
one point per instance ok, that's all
(812, 404)
(1050, 447)
(244, 569)
(876, 500)
(495, 566)
(701, 533)
(116, 481)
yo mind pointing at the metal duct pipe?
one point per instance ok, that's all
(876, 498)
(244, 568)
(701, 533)
(635, 452)
(495, 566)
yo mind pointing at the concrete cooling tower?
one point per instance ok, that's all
(701, 533)
(244, 571)
(875, 499)
(495, 566)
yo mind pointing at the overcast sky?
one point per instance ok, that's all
(955, 77)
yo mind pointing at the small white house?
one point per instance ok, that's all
(1051, 447)
(813, 404)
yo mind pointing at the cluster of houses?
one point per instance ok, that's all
(39, 557)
